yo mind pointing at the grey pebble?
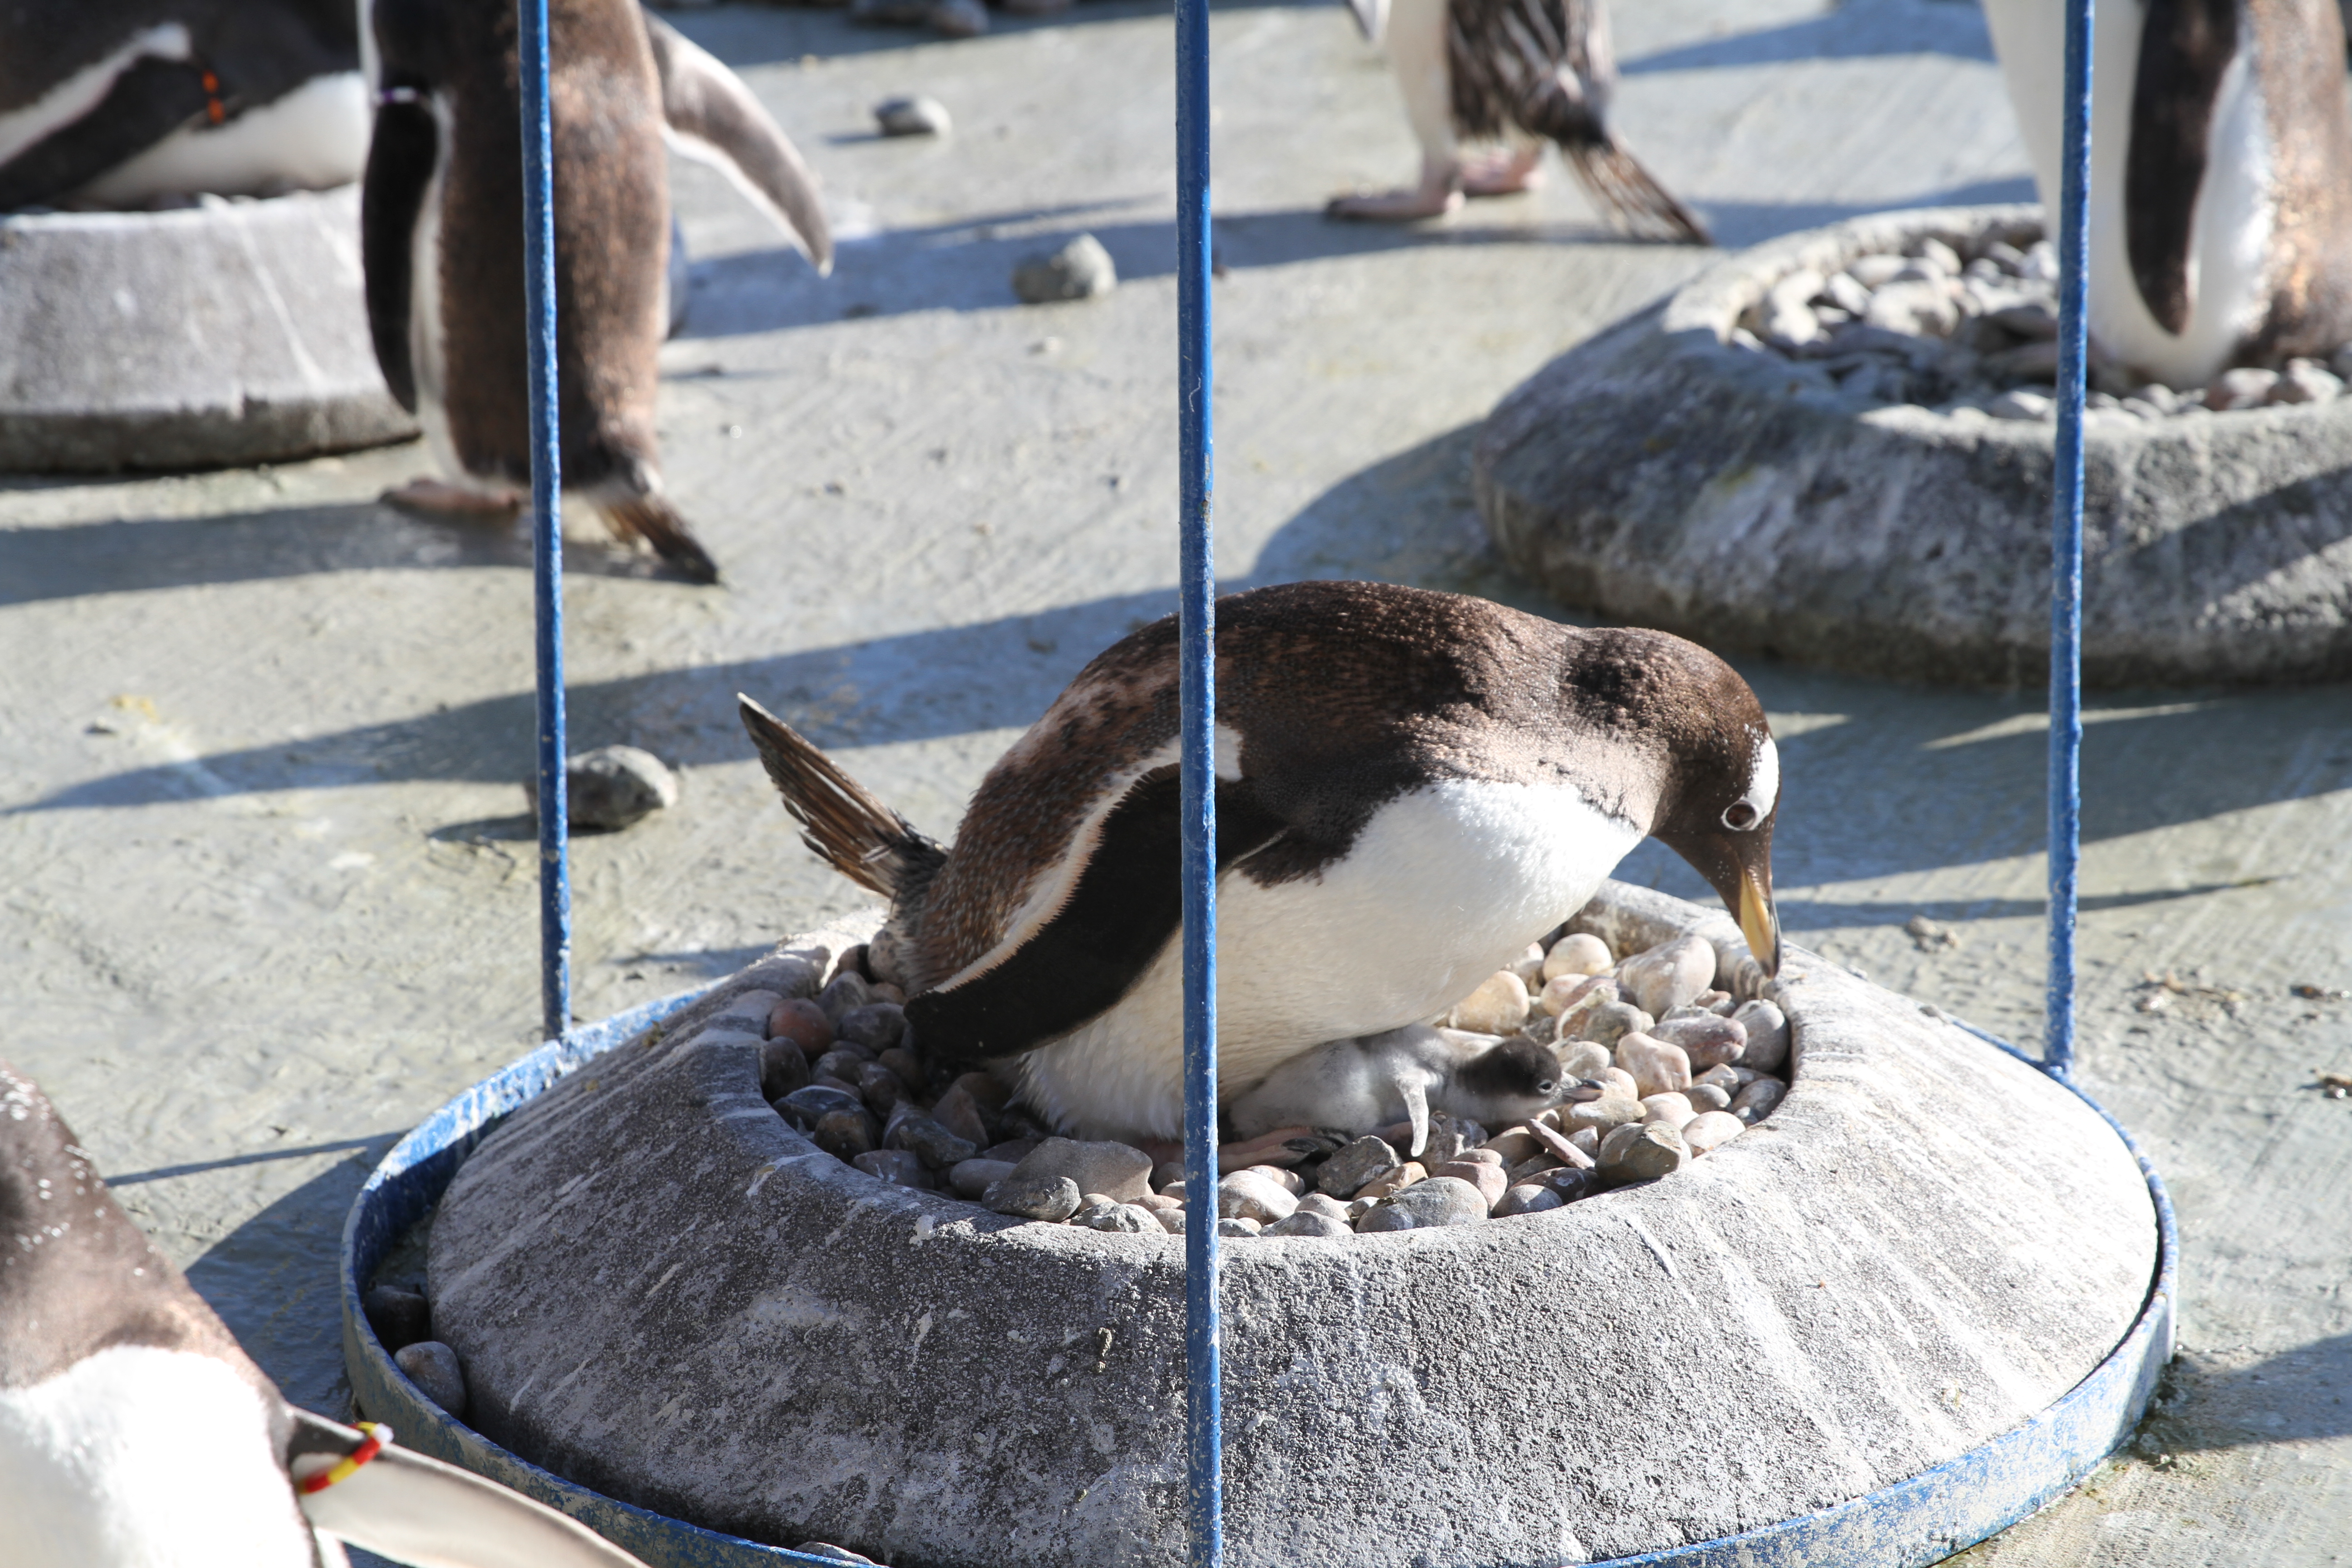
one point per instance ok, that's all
(1125, 1219)
(1323, 1203)
(1237, 1228)
(1344, 1172)
(970, 1178)
(1308, 1221)
(782, 1069)
(1611, 1022)
(611, 787)
(842, 994)
(1079, 270)
(1045, 1198)
(1439, 1201)
(400, 1318)
(1116, 1170)
(1758, 1099)
(433, 1367)
(877, 1026)
(896, 1167)
(1707, 1097)
(1450, 1138)
(919, 1134)
(916, 115)
(1528, 1198)
(1767, 1037)
(1642, 1151)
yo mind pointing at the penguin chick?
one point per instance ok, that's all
(441, 234)
(118, 102)
(1403, 1076)
(133, 1431)
(1528, 71)
(1411, 787)
(2220, 193)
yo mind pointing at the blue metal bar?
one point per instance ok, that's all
(2067, 546)
(1196, 613)
(546, 521)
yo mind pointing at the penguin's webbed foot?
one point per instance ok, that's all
(1397, 206)
(440, 499)
(1502, 172)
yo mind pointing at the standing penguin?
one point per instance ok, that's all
(441, 232)
(133, 1432)
(115, 103)
(2221, 189)
(1411, 787)
(1526, 71)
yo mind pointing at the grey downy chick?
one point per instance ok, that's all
(1402, 1074)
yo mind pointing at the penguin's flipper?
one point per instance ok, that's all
(714, 118)
(2184, 48)
(414, 1509)
(1124, 906)
(401, 159)
(846, 824)
(1416, 1110)
(651, 518)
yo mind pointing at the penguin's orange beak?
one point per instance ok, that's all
(1760, 921)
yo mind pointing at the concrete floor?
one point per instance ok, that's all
(266, 899)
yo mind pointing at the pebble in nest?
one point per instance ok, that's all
(1383, 753)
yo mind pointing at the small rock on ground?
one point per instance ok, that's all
(1045, 1198)
(433, 1367)
(917, 115)
(611, 787)
(1079, 270)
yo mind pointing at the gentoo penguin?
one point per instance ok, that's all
(1403, 1076)
(1526, 71)
(113, 103)
(2221, 174)
(134, 1433)
(441, 232)
(1411, 787)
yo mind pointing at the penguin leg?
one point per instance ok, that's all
(1416, 42)
(1504, 171)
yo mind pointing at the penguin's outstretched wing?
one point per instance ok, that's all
(1126, 903)
(714, 118)
(414, 1509)
(401, 158)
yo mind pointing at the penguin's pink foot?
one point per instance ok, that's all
(1397, 206)
(439, 498)
(1502, 172)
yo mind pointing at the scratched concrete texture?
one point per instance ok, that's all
(265, 898)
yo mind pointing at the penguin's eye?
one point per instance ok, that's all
(1740, 816)
(1547, 1087)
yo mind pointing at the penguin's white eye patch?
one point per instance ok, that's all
(1763, 788)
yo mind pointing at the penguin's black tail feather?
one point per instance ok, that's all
(649, 516)
(854, 833)
(1626, 190)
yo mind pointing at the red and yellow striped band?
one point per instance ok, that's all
(378, 1436)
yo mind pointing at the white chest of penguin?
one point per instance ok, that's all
(1442, 886)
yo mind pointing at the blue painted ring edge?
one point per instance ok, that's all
(1915, 1522)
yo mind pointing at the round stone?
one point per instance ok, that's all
(1577, 953)
(1044, 1198)
(1642, 1151)
(1345, 1173)
(1308, 1221)
(1079, 270)
(1657, 1067)
(1498, 1006)
(1712, 1131)
(434, 1368)
(1767, 1037)
(917, 115)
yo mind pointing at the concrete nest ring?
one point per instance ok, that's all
(663, 1293)
(1664, 473)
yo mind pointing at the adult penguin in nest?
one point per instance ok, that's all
(441, 231)
(124, 103)
(1526, 72)
(2220, 184)
(1411, 787)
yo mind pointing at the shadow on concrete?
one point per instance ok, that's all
(164, 1172)
(1860, 29)
(131, 555)
(2301, 1395)
(1738, 224)
(273, 1280)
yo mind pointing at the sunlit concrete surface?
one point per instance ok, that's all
(265, 898)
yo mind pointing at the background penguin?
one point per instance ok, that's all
(1411, 788)
(441, 230)
(2221, 174)
(116, 102)
(1402, 1074)
(1525, 70)
(134, 1433)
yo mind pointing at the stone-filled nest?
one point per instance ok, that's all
(1657, 1068)
(1971, 322)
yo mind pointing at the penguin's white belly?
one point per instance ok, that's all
(140, 1457)
(1441, 886)
(314, 136)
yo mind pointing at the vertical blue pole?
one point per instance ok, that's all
(1196, 615)
(2066, 544)
(546, 520)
